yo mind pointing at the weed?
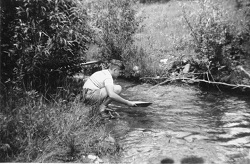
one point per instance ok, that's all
(38, 131)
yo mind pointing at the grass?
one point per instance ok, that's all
(77, 134)
(164, 33)
(60, 130)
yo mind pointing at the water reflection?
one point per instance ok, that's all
(167, 161)
(192, 160)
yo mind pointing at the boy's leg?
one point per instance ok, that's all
(107, 100)
(92, 97)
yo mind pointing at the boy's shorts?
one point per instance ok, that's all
(92, 96)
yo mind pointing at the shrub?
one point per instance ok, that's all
(42, 42)
(218, 40)
(115, 24)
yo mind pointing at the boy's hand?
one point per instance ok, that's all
(131, 104)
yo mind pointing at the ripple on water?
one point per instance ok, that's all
(184, 125)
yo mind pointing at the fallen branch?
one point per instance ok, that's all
(221, 83)
(154, 78)
(200, 80)
(162, 78)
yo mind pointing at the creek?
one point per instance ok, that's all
(183, 125)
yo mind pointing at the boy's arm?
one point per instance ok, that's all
(116, 97)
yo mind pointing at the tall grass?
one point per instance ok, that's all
(62, 129)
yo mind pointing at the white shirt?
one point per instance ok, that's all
(99, 80)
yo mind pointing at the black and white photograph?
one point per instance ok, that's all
(125, 81)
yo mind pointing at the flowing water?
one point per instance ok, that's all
(183, 125)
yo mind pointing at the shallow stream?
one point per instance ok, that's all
(183, 125)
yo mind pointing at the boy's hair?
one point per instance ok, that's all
(116, 64)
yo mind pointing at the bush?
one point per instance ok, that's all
(43, 42)
(218, 40)
(115, 25)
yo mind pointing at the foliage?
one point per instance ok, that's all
(42, 42)
(218, 41)
(115, 24)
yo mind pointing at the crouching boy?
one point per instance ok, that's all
(100, 88)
